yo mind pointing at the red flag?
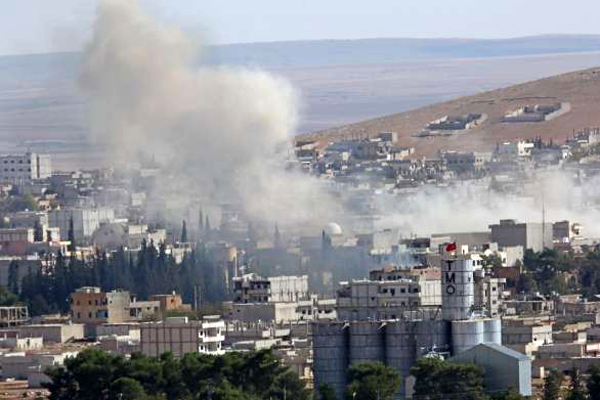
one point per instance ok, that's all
(451, 247)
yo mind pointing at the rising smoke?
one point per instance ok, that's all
(223, 133)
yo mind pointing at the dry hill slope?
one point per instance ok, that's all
(581, 89)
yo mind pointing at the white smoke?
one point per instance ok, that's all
(550, 196)
(222, 131)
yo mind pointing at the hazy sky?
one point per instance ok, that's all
(33, 26)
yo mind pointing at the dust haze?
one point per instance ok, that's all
(223, 133)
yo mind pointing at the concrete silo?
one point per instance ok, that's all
(458, 290)
(367, 341)
(330, 355)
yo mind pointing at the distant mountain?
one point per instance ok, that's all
(341, 81)
(338, 52)
(580, 89)
(379, 51)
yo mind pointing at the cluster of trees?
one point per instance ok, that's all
(544, 272)
(579, 388)
(152, 271)
(97, 375)
(17, 203)
(435, 379)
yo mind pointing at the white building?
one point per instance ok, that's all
(179, 336)
(20, 169)
(85, 221)
(520, 148)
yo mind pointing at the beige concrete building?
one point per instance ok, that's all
(53, 333)
(179, 336)
(92, 307)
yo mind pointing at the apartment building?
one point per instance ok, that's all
(179, 336)
(19, 169)
(252, 288)
(91, 307)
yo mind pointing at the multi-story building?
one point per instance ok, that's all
(388, 293)
(91, 307)
(252, 288)
(488, 293)
(179, 336)
(461, 163)
(19, 169)
(529, 235)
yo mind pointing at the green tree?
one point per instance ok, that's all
(184, 236)
(510, 394)
(13, 277)
(71, 234)
(576, 388)
(552, 386)
(325, 392)
(435, 377)
(372, 381)
(8, 299)
(493, 260)
(127, 389)
(593, 382)
(38, 232)
(526, 284)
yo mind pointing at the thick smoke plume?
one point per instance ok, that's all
(550, 196)
(223, 132)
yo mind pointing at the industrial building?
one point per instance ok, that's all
(451, 329)
(503, 368)
(530, 235)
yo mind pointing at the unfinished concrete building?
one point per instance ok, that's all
(457, 122)
(537, 113)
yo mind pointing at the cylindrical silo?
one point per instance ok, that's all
(457, 289)
(432, 335)
(492, 330)
(400, 346)
(330, 355)
(466, 334)
(367, 340)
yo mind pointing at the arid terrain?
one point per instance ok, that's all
(40, 100)
(581, 89)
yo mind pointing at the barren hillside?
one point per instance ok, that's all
(581, 89)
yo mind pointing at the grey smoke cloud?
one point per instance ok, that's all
(472, 206)
(223, 131)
